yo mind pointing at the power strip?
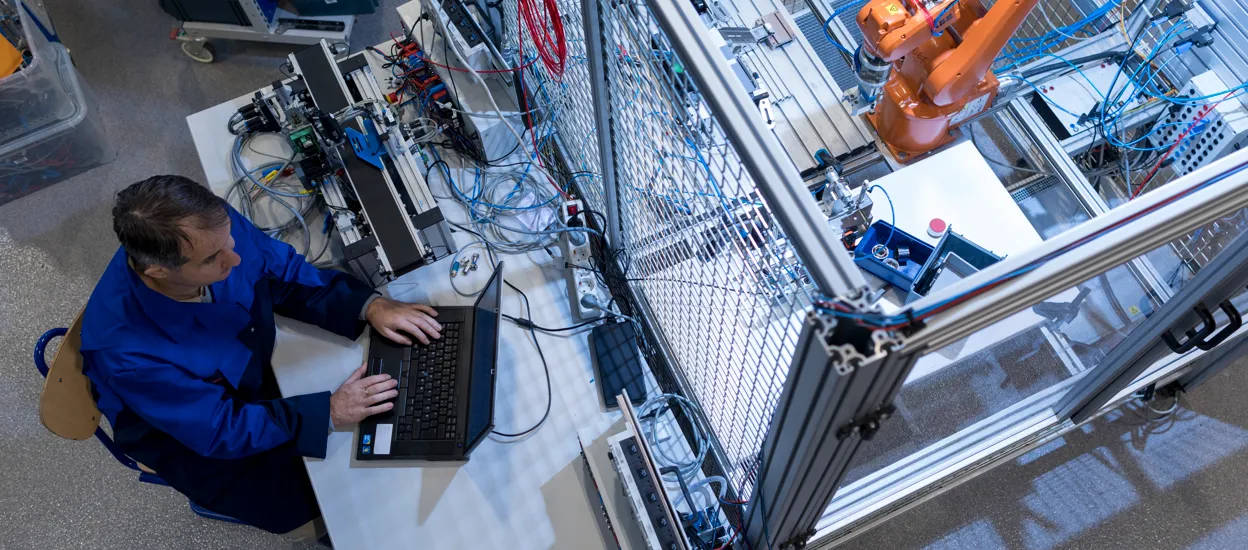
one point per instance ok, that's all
(648, 503)
(463, 29)
(577, 256)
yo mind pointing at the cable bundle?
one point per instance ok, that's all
(1021, 49)
(275, 184)
(541, 23)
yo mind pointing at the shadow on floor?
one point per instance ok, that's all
(1120, 482)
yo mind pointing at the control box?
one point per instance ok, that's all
(1217, 133)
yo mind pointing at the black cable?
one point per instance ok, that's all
(526, 323)
(545, 367)
(1076, 62)
(971, 132)
(684, 490)
(450, 75)
(434, 165)
(494, 163)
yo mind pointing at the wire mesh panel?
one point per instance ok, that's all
(703, 252)
(564, 114)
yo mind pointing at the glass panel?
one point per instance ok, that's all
(1001, 366)
(961, 401)
(965, 402)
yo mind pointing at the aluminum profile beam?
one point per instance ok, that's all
(1125, 233)
(823, 415)
(1066, 168)
(773, 172)
(596, 60)
(1212, 363)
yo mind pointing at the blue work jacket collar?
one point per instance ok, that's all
(183, 321)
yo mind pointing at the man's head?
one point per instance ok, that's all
(175, 231)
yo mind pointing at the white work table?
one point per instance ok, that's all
(957, 186)
(530, 493)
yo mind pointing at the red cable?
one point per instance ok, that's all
(1199, 117)
(553, 50)
(918, 4)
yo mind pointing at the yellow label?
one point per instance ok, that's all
(893, 8)
(1134, 310)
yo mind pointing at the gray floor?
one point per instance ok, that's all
(1114, 487)
(1117, 483)
(54, 245)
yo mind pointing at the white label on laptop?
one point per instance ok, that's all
(381, 440)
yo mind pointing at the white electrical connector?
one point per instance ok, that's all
(577, 257)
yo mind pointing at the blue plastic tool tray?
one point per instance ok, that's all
(952, 243)
(908, 266)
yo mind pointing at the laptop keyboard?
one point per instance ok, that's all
(428, 380)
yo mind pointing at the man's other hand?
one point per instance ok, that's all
(359, 398)
(396, 320)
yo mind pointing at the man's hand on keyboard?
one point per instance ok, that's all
(397, 320)
(361, 397)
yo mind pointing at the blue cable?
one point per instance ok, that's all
(828, 23)
(892, 212)
(1023, 46)
(936, 21)
(709, 176)
(833, 41)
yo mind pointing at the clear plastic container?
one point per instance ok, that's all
(49, 126)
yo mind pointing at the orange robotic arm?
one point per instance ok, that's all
(925, 64)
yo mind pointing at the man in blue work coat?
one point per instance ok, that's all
(177, 338)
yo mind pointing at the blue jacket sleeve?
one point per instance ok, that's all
(327, 298)
(202, 416)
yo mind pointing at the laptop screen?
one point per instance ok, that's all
(487, 318)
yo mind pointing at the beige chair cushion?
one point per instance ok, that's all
(66, 407)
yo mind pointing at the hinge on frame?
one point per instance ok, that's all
(867, 425)
(798, 542)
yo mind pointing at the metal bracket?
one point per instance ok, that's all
(845, 344)
(867, 425)
(799, 542)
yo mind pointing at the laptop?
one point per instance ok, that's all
(445, 406)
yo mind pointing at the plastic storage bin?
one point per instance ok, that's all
(49, 127)
(906, 255)
(952, 243)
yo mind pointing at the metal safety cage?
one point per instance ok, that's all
(563, 115)
(721, 244)
(1186, 323)
(820, 443)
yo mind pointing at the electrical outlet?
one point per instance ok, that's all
(577, 256)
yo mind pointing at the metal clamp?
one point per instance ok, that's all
(1200, 338)
(799, 542)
